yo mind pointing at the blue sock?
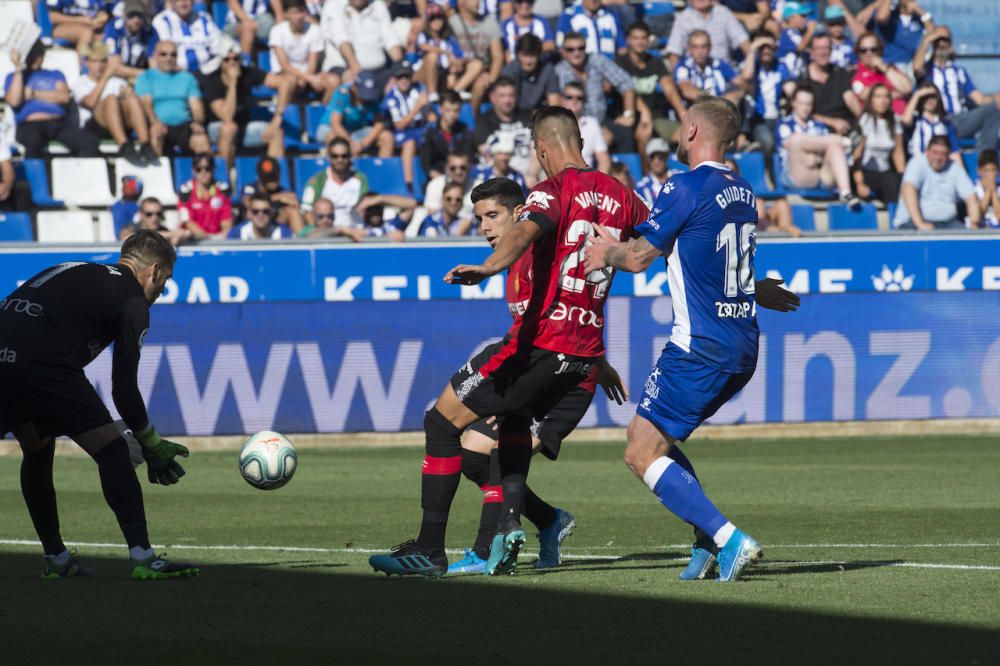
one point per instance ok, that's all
(680, 492)
(678, 457)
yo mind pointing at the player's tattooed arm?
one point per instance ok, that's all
(633, 256)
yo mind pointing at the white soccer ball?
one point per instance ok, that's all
(268, 460)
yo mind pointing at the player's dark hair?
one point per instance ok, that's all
(294, 4)
(146, 247)
(548, 117)
(987, 156)
(529, 44)
(940, 140)
(638, 25)
(505, 191)
(721, 117)
(451, 97)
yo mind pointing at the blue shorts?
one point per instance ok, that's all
(683, 391)
(412, 134)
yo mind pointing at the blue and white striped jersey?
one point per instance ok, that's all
(713, 78)
(195, 38)
(603, 31)
(954, 84)
(511, 32)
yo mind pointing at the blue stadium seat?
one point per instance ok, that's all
(657, 8)
(803, 217)
(632, 161)
(385, 174)
(842, 219)
(971, 159)
(967, 143)
(263, 59)
(306, 168)
(751, 167)
(891, 209)
(219, 12)
(314, 112)
(35, 172)
(466, 115)
(291, 122)
(15, 227)
(246, 174)
(183, 171)
(419, 180)
(823, 193)
(45, 23)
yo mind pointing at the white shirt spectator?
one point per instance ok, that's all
(297, 47)
(593, 138)
(84, 85)
(196, 39)
(369, 31)
(724, 29)
(880, 140)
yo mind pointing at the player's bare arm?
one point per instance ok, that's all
(513, 244)
(632, 256)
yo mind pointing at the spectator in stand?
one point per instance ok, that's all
(619, 171)
(766, 76)
(501, 149)
(250, 21)
(879, 158)
(204, 205)
(448, 135)
(595, 148)
(988, 188)
(810, 155)
(355, 113)
(79, 22)
(900, 25)
(924, 118)
(296, 50)
(125, 211)
(457, 168)
(405, 107)
(129, 40)
(772, 214)
(600, 28)
(967, 108)
(372, 209)
(172, 102)
(872, 69)
(839, 21)
(228, 93)
(504, 119)
(933, 187)
(15, 195)
(796, 33)
(364, 35)
(726, 33)
(109, 107)
(480, 39)
(451, 220)
(150, 217)
(658, 101)
(595, 72)
(260, 223)
(339, 183)
(837, 106)
(657, 154)
(699, 75)
(40, 101)
(522, 23)
(323, 225)
(283, 202)
(194, 34)
(534, 79)
(442, 58)
(753, 14)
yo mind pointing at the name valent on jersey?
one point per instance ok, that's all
(597, 200)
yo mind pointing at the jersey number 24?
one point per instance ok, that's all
(599, 279)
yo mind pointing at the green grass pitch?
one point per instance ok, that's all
(877, 551)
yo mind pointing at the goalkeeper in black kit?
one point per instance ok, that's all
(51, 327)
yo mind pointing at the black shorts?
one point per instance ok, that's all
(534, 380)
(178, 135)
(56, 399)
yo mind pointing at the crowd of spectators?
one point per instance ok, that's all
(858, 100)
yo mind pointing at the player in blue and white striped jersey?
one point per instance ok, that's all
(194, 33)
(404, 105)
(704, 221)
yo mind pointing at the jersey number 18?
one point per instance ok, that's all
(739, 271)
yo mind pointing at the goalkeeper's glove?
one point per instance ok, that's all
(159, 454)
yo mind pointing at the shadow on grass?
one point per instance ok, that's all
(251, 614)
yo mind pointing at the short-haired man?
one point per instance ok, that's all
(51, 327)
(457, 168)
(657, 155)
(699, 74)
(726, 32)
(173, 105)
(595, 148)
(534, 79)
(260, 223)
(297, 47)
(284, 202)
(449, 135)
(837, 106)
(450, 220)
(933, 186)
(339, 183)
(150, 218)
(194, 33)
(366, 39)
(507, 120)
(322, 226)
(129, 39)
(480, 38)
(659, 104)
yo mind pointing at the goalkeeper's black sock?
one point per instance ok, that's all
(537, 510)
(442, 469)
(515, 460)
(122, 492)
(40, 496)
(484, 471)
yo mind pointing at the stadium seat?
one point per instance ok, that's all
(803, 217)
(890, 208)
(385, 174)
(751, 167)
(219, 12)
(264, 64)
(823, 193)
(971, 159)
(65, 226)
(14, 10)
(64, 60)
(15, 227)
(305, 168)
(105, 227)
(45, 23)
(156, 180)
(466, 115)
(840, 218)
(419, 179)
(291, 122)
(246, 174)
(184, 171)
(171, 219)
(314, 112)
(632, 161)
(37, 175)
(264, 60)
(81, 181)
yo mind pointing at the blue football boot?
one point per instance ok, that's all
(406, 559)
(470, 564)
(550, 539)
(738, 553)
(702, 559)
(503, 552)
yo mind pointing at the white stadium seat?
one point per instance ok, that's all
(106, 227)
(171, 219)
(157, 180)
(65, 226)
(66, 61)
(81, 181)
(413, 228)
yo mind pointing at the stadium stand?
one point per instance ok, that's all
(72, 190)
(65, 226)
(15, 227)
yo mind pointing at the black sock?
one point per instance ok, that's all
(537, 510)
(442, 471)
(122, 492)
(40, 496)
(476, 468)
(515, 460)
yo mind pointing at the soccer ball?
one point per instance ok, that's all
(267, 460)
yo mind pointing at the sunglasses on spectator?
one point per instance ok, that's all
(260, 211)
(573, 98)
(231, 58)
(573, 49)
(340, 156)
(458, 167)
(870, 49)
(324, 216)
(453, 199)
(202, 168)
(153, 213)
